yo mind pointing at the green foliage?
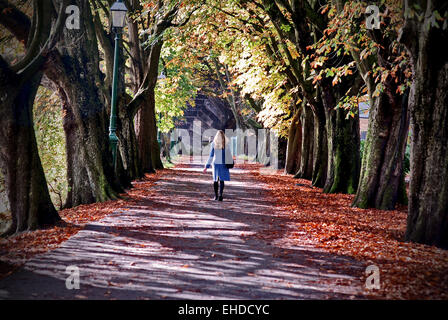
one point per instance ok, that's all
(174, 92)
(51, 143)
(234, 34)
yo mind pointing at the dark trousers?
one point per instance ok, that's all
(221, 187)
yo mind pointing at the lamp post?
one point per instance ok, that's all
(118, 12)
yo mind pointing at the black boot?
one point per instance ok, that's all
(215, 187)
(221, 189)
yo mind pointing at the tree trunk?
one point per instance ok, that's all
(384, 150)
(75, 71)
(127, 147)
(26, 185)
(306, 163)
(343, 144)
(294, 148)
(128, 163)
(343, 152)
(320, 150)
(90, 173)
(146, 125)
(28, 195)
(282, 144)
(144, 130)
(428, 103)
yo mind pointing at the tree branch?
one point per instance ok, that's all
(50, 42)
(18, 23)
(188, 17)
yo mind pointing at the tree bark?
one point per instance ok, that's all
(382, 164)
(74, 68)
(382, 178)
(89, 163)
(145, 66)
(146, 131)
(341, 161)
(128, 161)
(343, 144)
(294, 148)
(26, 185)
(320, 149)
(28, 195)
(145, 122)
(306, 163)
(281, 147)
(127, 146)
(428, 102)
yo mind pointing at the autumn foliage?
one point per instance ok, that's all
(407, 270)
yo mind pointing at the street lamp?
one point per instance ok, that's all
(118, 12)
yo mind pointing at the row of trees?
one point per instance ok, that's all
(304, 66)
(300, 66)
(78, 63)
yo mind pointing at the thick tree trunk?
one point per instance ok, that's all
(74, 68)
(381, 183)
(428, 103)
(152, 139)
(306, 163)
(343, 146)
(145, 130)
(320, 150)
(145, 124)
(26, 185)
(294, 148)
(28, 195)
(382, 164)
(90, 173)
(343, 152)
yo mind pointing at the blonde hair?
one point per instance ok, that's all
(220, 140)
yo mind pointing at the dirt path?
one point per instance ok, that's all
(179, 244)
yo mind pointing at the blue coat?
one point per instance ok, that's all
(219, 158)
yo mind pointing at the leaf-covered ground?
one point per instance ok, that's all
(407, 270)
(15, 250)
(173, 241)
(327, 221)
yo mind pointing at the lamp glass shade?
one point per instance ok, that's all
(118, 12)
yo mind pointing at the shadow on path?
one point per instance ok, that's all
(180, 244)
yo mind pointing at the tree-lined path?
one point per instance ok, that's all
(346, 102)
(177, 243)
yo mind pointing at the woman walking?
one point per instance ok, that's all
(221, 158)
